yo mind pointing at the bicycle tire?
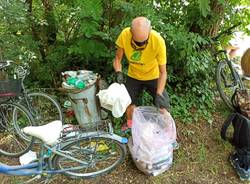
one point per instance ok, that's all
(224, 76)
(13, 142)
(43, 108)
(92, 150)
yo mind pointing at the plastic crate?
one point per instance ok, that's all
(10, 87)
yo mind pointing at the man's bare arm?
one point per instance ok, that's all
(118, 58)
(162, 79)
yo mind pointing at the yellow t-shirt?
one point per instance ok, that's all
(143, 61)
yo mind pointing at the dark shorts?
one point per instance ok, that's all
(136, 87)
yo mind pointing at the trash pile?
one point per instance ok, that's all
(153, 140)
(81, 89)
(78, 79)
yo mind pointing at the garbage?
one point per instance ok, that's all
(27, 157)
(67, 104)
(115, 99)
(78, 79)
(81, 89)
(153, 140)
(77, 83)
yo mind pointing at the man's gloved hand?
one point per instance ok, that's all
(161, 101)
(119, 77)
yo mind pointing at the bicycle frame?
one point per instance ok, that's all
(39, 167)
(235, 77)
(20, 72)
(27, 103)
(227, 75)
(44, 164)
(23, 73)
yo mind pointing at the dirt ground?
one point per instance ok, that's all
(201, 159)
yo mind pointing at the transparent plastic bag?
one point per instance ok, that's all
(153, 139)
(161, 162)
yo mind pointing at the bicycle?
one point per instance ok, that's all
(74, 151)
(13, 117)
(227, 72)
(43, 107)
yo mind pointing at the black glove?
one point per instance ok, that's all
(161, 101)
(119, 77)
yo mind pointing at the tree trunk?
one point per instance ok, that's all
(51, 28)
(214, 20)
(33, 29)
(217, 9)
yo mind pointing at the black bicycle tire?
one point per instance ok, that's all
(30, 142)
(223, 96)
(51, 99)
(107, 170)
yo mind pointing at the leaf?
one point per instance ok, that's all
(204, 7)
(222, 2)
(91, 8)
(89, 28)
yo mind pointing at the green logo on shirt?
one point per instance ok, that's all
(136, 55)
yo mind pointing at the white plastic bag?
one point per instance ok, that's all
(115, 99)
(153, 140)
(27, 157)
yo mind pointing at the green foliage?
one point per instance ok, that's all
(81, 34)
(193, 87)
(204, 7)
(14, 40)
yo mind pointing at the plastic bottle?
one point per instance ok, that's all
(76, 82)
(67, 104)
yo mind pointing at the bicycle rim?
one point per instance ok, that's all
(13, 142)
(44, 108)
(100, 156)
(226, 84)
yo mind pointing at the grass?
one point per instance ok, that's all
(201, 158)
(222, 109)
(202, 153)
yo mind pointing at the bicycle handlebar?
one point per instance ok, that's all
(5, 64)
(21, 71)
(227, 31)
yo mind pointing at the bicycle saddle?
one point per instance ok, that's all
(48, 133)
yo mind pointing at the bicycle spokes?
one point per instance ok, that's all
(95, 154)
(228, 80)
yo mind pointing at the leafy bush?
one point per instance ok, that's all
(80, 34)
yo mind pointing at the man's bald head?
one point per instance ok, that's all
(140, 28)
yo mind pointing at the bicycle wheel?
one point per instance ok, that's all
(13, 142)
(99, 156)
(43, 108)
(226, 84)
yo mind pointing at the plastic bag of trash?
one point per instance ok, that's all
(153, 140)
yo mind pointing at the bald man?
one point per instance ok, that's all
(145, 51)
